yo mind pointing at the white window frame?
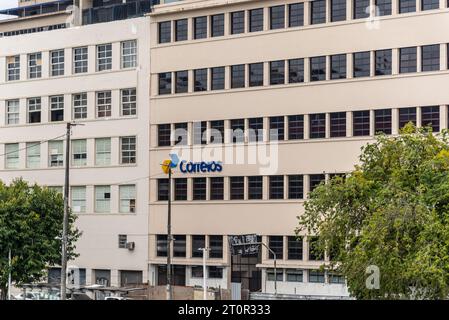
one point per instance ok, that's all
(57, 60)
(104, 57)
(79, 152)
(104, 104)
(34, 65)
(128, 99)
(127, 198)
(79, 105)
(56, 104)
(80, 60)
(126, 152)
(56, 152)
(33, 155)
(12, 112)
(78, 195)
(34, 105)
(12, 156)
(102, 154)
(13, 68)
(129, 54)
(101, 197)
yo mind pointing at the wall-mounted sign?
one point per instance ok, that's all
(245, 245)
(200, 167)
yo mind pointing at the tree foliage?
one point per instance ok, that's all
(31, 219)
(392, 212)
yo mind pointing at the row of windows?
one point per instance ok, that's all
(198, 242)
(79, 64)
(320, 125)
(79, 157)
(298, 275)
(292, 71)
(279, 17)
(33, 30)
(128, 107)
(240, 188)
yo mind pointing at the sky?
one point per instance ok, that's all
(6, 4)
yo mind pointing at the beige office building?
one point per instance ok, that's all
(326, 75)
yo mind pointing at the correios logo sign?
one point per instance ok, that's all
(194, 167)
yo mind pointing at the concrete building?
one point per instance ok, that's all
(325, 75)
(94, 74)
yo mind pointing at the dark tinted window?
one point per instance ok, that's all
(199, 188)
(179, 246)
(198, 242)
(218, 78)
(217, 25)
(199, 132)
(216, 188)
(238, 76)
(255, 188)
(277, 17)
(277, 128)
(216, 247)
(430, 57)
(295, 70)
(407, 6)
(165, 83)
(317, 125)
(361, 123)
(407, 115)
(276, 243)
(237, 22)
(200, 78)
(295, 127)
(217, 131)
(315, 180)
(382, 121)
(200, 27)
(361, 9)
(238, 130)
(430, 4)
(296, 15)
(338, 10)
(383, 62)
(314, 251)
(318, 11)
(162, 189)
(317, 68)
(181, 30)
(338, 66)
(256, 74)
(182, 81)
(338, 124)
(277, 72)
(237, 188)
(181, 133)
(255, 20)
(296, 186)
(164, 32)
(407, 60)
(362, 64)
(163, 135)
(180, 189)
(294, 248)
(430, 116)
(161, 245)
(255, 126)
(384, 7)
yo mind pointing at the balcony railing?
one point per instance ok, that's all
(38, 9)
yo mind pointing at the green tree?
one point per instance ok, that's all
(31, 227)
(392, 212)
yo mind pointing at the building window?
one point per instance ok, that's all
(430, 57)
(277, 17)
(382, 121)
(200, 27)
(79, 153)
(315, 252)
(128, 150)
(198, 242)
(336, 278)
(361, 123)
(238, 130)
(362, 64)
(129, 54)
(197, 272)
(384, 7)
(57, 62)
(407, 6)
(127, 198)
(317, 67)
(179, 246)
(237, 22)
(317, 125)
(338, 124)
(294, 275)
(104, 57)
(296, 15)
(256, 20)
(12, 112)
(80, 60)
(103, 104)
(200, 132)
(216, 247)
(276, 187)
(407, 60)
(78, 199)
(102, 199)
(122, 241)
(216, 188)
(361, 9)
(238, 76)
(338, 66)
(383, 62)
(34, 65)
(315, 180)
(181, 133)
(80, 105)
(277, 72)
(218, 78)
(162, 189)
(318, 11)
(255, 188)
(296, 186)
(295, 127)
(430, 116)
(12, 156)
(33, 154)
(237, 188)
(34, 110)
(165, 32)
(407, 115)
(217, 131)
(338, 10)
(56, 155)
(163, 135)
(277, 128)
(276, 244)
(215, 272)
(255, 127)
(294, 248)
(13, 66)
(255, 74)
(430, 4)
(180, 189)
(316, 276)
(129, 102)
(57, 108)
(181, 30)
(295, 70)
(279, 275)
(217, 25)
(161, 245)
(199, 188)
(182, 81)
(200, 80)
(103, 151)
(165, 83)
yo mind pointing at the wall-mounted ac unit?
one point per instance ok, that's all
(130, 246)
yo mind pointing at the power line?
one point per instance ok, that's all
(28, 147)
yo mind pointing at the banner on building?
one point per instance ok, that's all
(246, 245)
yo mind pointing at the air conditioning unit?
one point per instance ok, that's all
(130, 245)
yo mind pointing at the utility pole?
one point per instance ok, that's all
(65, 224)
(9, 275)
(169, 238)
(204, 272)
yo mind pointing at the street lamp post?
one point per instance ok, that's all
(205, 250)
(169, 239)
